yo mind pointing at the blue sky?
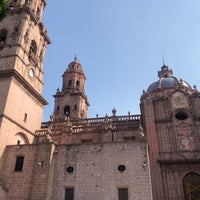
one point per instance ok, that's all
(121, 45)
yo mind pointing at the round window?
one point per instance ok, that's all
(181, 115)
(31, 73)
(70, 169)
(121, 168)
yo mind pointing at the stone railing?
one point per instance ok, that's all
(90, 125)
(97, 120)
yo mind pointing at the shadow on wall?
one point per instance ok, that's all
(3, 194)
(3, 188)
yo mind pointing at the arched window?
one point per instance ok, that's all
(38, 11)
(70, 83)
(77, 83)
(67, 110)
(3, 36)
(191, 186)
(25, 117)
(33, 47)
(57, 109)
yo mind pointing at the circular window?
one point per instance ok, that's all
(31, 73)
(70, 169)
(181, 115)
(121, 168)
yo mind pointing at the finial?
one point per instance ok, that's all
(164, 67)
(106, 117)
(114, 111)
(76, 55)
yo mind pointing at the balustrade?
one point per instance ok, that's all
(90, 125)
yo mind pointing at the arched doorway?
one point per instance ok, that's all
(191, 186)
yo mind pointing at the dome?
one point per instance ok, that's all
(74, 67)
(167, 80)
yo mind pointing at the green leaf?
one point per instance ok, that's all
(3, 5)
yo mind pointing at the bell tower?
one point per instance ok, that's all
(71, 101)
(23, 41)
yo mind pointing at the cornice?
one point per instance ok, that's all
(179, 161)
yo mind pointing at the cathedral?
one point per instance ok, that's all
(151, 156)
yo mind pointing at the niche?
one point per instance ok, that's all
(3, 36)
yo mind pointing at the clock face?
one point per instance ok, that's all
(31, 73)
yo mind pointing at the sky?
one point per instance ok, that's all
(121, 46)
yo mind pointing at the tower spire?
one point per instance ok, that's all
(163, 61)
(76, 56)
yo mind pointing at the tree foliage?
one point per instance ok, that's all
(3, 4)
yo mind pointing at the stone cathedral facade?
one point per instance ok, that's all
(151, 156)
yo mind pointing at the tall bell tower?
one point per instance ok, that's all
(71, 101)
(23, 41)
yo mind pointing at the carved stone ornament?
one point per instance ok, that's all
(179, 100)
(185, 139)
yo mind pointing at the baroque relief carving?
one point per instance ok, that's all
(185, 139)
(179, 100)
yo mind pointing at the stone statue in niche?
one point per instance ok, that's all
(26, 36)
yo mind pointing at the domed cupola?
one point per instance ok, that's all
(74, 77)
(166, 80)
